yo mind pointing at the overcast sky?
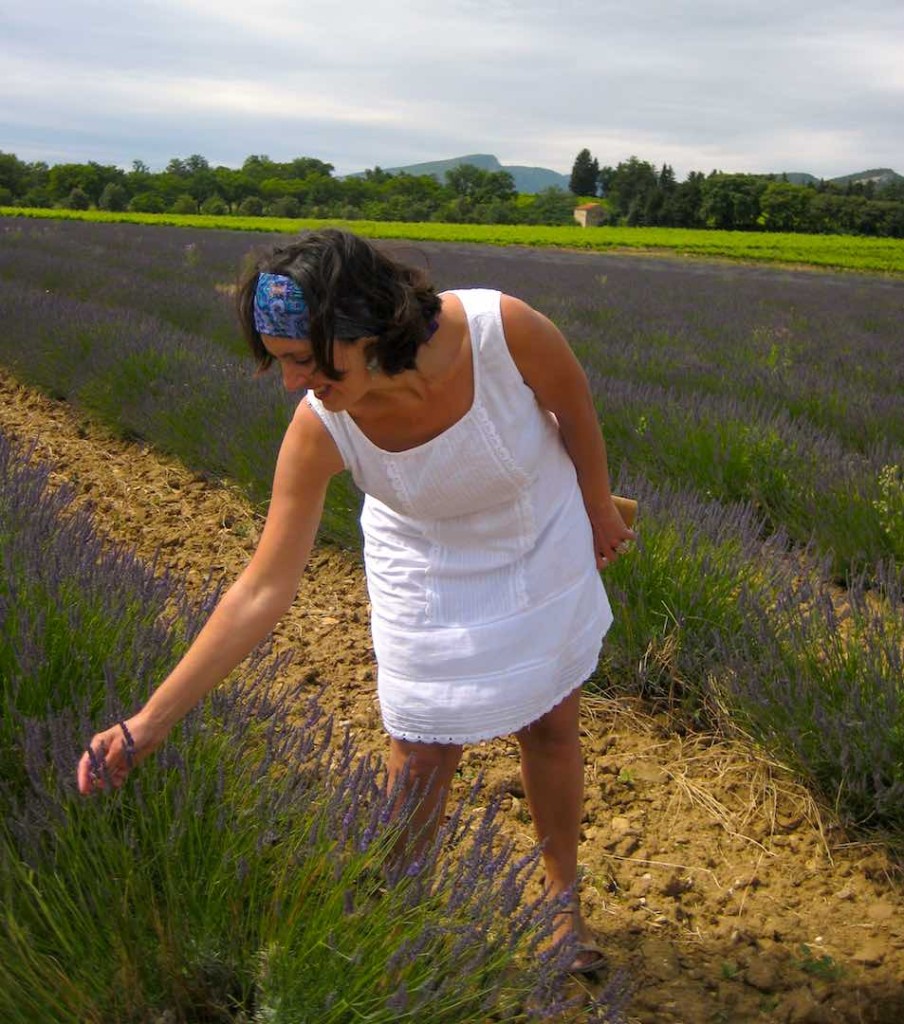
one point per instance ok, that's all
(734, 85)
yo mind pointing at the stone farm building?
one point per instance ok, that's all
(590, 215)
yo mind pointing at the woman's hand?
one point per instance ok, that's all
(112, 754)
(611, 538)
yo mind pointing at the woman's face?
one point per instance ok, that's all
(300, 371)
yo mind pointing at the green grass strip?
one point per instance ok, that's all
(838, 252)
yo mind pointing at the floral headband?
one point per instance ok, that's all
(280, 309)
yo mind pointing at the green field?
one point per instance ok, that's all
(837, 252)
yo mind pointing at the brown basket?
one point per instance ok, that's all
(627, 509)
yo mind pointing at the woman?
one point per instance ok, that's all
(469, 424)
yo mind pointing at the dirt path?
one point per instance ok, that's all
(710, 875)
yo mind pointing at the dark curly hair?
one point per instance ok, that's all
(353, 290)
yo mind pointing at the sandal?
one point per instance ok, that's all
(596, 963)
(579, 965)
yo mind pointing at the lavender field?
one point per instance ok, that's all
(756, 413)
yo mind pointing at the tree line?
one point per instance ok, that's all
(303, 187)
(636, 193)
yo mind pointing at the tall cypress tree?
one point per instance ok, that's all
(585, 174)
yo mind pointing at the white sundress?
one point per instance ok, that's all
(487, 608)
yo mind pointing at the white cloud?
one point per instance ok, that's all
(696, 83)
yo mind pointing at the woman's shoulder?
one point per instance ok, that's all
(521, 321)
(310, 442)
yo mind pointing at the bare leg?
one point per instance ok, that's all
(430, 768)
(552, 767)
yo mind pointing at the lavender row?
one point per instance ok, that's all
(290, 873)
(81, 622)
(850, 504)
(175, 388)
(821, 681)
(178, 283)
(721, 621)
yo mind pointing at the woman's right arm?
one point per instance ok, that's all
(249, 609)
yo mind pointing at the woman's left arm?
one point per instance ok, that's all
(551, 370)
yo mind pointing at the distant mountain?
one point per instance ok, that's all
(799, 177)
(880, 175)
(528, 180)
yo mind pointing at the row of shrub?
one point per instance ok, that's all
(216, 885)
(636, 192)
